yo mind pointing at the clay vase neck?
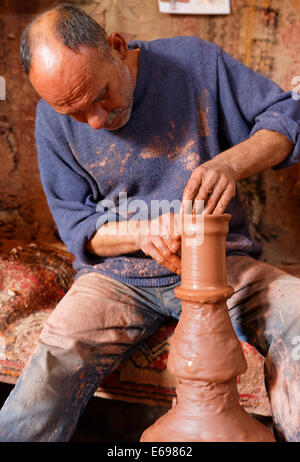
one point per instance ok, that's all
(204, 264)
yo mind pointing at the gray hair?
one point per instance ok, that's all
(73, 27)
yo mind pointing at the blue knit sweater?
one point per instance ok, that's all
(191, 102)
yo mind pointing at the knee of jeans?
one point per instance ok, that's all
(55, 324)
(58, 332)
(53, 338)
(284, 310)
(284, 296)
(62, 321)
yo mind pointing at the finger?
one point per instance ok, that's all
(206, 189)
(190, 191)
(224, 200)
(173, 245)
(153, 252)
(176, 225)
(173, 235)
(164, 257)
(162, 248)
(173, 263)
(168, 241)
(198, 206)
(215, 196)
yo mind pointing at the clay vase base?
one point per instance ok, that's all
(229, 425)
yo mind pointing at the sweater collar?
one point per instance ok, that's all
(143, 71)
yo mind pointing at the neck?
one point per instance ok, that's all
(133, 60)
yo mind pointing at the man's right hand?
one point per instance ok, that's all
(161, 239)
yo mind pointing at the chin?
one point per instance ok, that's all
(120, 124)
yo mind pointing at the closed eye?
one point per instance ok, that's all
(102, 95)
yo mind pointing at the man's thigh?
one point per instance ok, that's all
(100, 313)
(265, 304)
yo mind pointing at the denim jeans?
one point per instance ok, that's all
(100, 322)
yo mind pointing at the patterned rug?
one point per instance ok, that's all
(32, 281)
(33, 278)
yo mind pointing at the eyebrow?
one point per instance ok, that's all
(99, 97)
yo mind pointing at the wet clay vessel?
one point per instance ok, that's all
(205, 354)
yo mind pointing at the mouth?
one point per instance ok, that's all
(112, 118)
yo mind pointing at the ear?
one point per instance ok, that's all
(118, 46)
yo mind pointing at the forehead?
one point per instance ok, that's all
(66, 79)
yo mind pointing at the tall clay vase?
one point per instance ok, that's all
(205, 354)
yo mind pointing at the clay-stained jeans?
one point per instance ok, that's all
(99, 323)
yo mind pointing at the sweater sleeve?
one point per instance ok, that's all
(70, 191)
(250, 102)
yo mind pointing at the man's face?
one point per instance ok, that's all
(85, 86)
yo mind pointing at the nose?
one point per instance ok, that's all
(96, 117)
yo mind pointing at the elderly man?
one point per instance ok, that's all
(140, 123)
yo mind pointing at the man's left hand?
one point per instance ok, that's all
(213, 182)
